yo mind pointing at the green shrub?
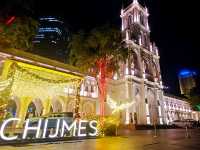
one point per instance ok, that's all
(110, 130)
(110, 124)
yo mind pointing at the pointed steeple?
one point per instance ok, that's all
(135, 1)
(146, 9)
(122, 9)
(122, 4)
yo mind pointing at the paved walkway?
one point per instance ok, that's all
(138, 140)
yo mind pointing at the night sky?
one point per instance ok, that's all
(174, 27)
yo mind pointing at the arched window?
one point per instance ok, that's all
(155, 70)
(146, 67)
(145, 41)
(31, 111)
(148, 71)
(11, 109)
(39, 107)
(134, 15)
(135, 34)
(57, 106)
(142, 19)
(129, 20)
(135, 66)
(132, 68)
(51, 110)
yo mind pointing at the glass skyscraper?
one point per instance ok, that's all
(187, 81)
(52, 38)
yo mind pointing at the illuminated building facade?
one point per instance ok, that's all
(51, 38)
(36, 88)
(137, 87)
(176, 109)
(41, 86)
(140, 77)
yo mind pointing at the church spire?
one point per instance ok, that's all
(135, 1)
(122, 4)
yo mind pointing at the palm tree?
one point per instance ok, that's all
(98, 52)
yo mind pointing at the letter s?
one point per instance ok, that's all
(91, 124)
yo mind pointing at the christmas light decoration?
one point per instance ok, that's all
(40, 79)
(5, 84)
(34, 82)
(10, 20)
(102, 86)
(117, 107)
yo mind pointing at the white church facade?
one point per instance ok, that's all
(136, 90)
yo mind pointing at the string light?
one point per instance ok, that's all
(117, 107)
(25, 80)
(4, 84)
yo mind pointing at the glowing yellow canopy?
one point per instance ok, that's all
(28, 80)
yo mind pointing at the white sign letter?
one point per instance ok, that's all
(82, 128)
(37, 128)
(65, 125)
(91, 124)
(45, 129)
(3, 128)
(57, 128)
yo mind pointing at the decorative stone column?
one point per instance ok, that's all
(47, 106)
(24, 102)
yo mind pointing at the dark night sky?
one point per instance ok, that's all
(174, 27)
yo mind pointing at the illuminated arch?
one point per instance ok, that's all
(51, 109)
(39, 107)
(12, 108)
(153, 109)
(136, 64)
(137, 105)
(155, 70)
(147, 68)
(31, 110)
(130, 17)
(57, 105)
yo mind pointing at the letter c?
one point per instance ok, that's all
(3, 128)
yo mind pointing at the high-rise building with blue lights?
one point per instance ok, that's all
(52, 38)
(187, 81)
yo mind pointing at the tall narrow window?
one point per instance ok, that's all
(129, 20)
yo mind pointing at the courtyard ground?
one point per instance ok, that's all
(172, 139)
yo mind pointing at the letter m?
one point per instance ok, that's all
(68, 128)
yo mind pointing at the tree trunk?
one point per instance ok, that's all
(102, 87)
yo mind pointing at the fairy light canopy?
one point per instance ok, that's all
(27, 80)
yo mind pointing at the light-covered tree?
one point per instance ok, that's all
(98, 52)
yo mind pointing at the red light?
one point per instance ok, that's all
(10, 20)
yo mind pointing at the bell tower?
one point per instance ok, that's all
(135, 25)
(141, 72)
